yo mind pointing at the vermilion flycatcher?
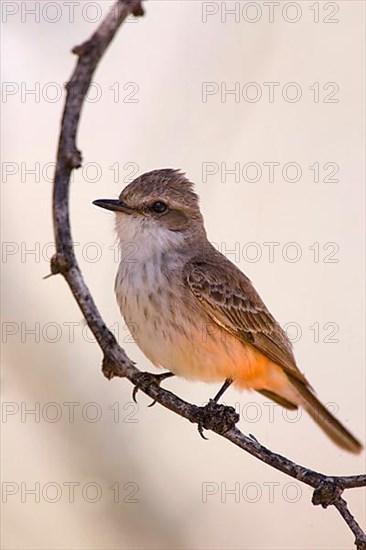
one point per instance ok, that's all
(193, 311)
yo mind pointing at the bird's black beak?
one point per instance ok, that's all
(115, 205)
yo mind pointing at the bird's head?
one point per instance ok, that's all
(158, 206)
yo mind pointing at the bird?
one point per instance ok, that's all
(195, 313)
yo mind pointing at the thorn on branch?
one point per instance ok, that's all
(84, 48)
(74, 158)
(138, 11)
(326, 494)
(254, 438)
(59, 264)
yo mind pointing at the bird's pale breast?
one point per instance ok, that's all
(175, 333)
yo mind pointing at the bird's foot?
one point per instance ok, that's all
(216, 417)
(146, 379)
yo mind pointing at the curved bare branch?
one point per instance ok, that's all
(219, 419)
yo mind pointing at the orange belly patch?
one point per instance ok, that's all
(221, 355)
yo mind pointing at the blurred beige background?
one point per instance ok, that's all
(104, 472)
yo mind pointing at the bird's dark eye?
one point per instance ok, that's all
(159, 207)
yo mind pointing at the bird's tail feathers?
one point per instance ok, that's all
(325, 419)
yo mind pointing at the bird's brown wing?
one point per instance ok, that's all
(232, 302)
